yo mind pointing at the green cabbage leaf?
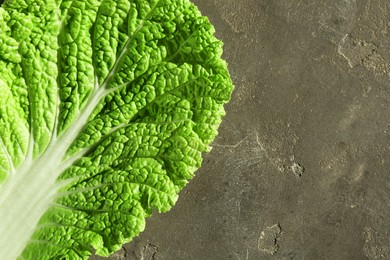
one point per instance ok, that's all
(106, 107)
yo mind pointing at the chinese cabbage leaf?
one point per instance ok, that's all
(106, 107)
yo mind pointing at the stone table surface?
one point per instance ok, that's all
(300, 169)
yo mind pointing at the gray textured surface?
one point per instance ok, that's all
(301, 167)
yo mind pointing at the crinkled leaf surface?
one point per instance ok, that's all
(106, 107)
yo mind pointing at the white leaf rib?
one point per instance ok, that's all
(9, 158)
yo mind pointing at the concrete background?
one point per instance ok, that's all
(301, 167)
